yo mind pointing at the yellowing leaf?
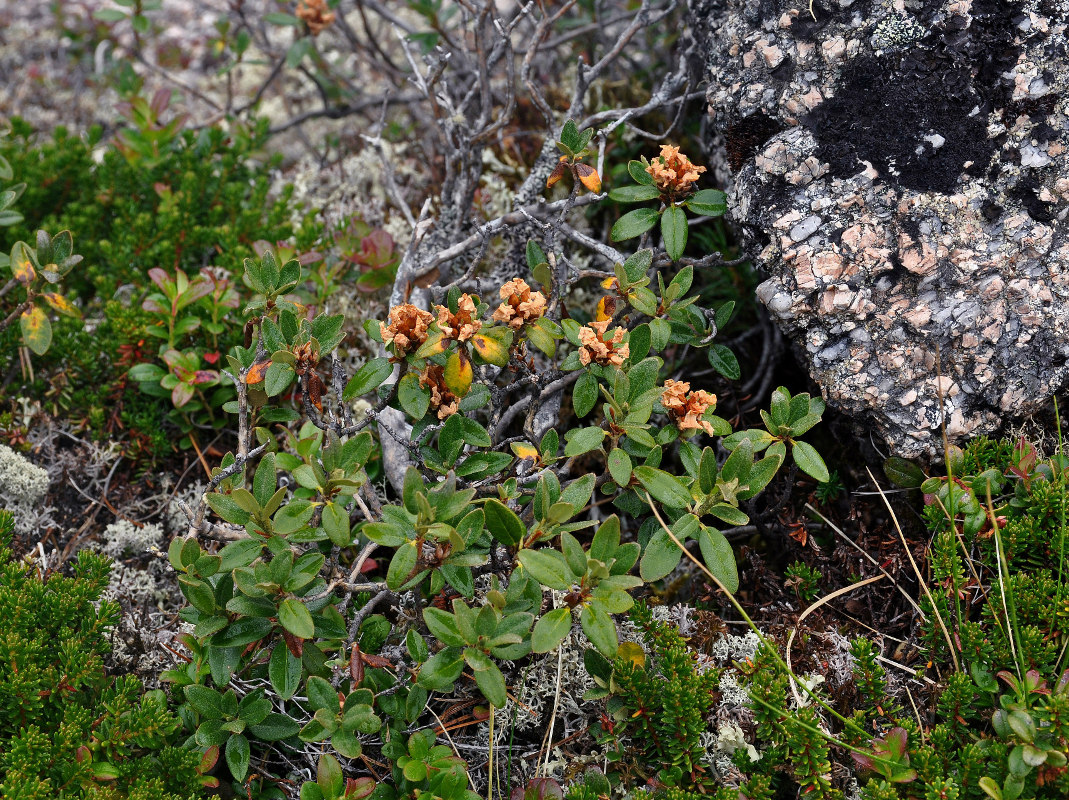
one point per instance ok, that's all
(492, 349)
(589, 177)
(606, 308)
(607, 283)
(36, 330)
(61, 304)
(633, 652)
(525, 450)
(22, 264)
(458, 373)
(434, 345)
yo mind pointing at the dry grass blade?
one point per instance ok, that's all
(872, 560)
(920, 578)
(827, 598)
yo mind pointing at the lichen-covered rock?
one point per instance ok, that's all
(903, 166)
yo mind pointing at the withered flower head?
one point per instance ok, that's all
(407, 329)
(685, 407)
(673, 172)
(462, 325)
(316, 15)
(599, 349)
(433, 378)
(521, 305)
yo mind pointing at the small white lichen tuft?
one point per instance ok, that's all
(23, 486)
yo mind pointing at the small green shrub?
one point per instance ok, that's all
(67, 729)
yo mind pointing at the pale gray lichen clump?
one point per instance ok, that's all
(23, 487)
(905, 182)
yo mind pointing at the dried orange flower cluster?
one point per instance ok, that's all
(461, 325)
(315, 14)
(599, 349)
(521, 305)
(443, 400)
(685, 407)
(673, 172)
(407, 329)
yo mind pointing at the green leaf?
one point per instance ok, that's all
(441, 670)
(295, 618)
(719, 557)
(634, 194)
(809, 461)
(724, 361)
(503, 523)
(242, 631)
(708, 202)
(443, 626)
(335, 521)
(585, 394)
(548, 567)
(535, 254)
(637, 171)
(109, 15)
(492, 684)
(551, 629)
(634, 223)
(278, 378)
(237, 756)
(368, 377)
(284, 671)
(902, 472)
(663, 487)
(414, 399)
(600, 630)
(278, 18)
(660, 557)
(620, 466)
(674, 231)
(275, 727)
(401, 565)
(481, 465)
(322, 695)
(583, 440)
(205, 701)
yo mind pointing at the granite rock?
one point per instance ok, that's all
(901, 167)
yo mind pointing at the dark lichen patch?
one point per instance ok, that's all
(919, 116)
(811, 20)
(747, 136)
(1026, 192)
(1037, 109)
(913, 125)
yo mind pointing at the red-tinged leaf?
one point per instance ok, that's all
(557, 173)
(295, 645)
(181, 394)
(256, 372)
(359, 788)
(212, 358)
(209, 759)
(356, 665)
(205, 376)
